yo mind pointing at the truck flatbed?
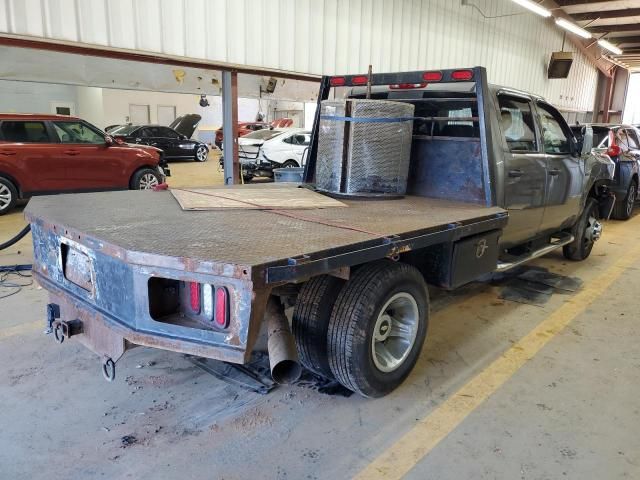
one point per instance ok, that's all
(287, 244)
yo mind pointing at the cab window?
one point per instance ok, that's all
(633, 140)
(517, 124)
(77, 132)
(24, 132)
(555, 136)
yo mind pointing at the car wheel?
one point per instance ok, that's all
(145, 179)
(377, 327)
(290, 164)
(586, 232)
(311, 322)
(8, 196)
(623, 209)
(247, 178)
(201, 153)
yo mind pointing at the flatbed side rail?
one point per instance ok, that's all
(476, 75)
(300, 268)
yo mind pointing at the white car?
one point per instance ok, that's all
(287, 149)
(249, 144)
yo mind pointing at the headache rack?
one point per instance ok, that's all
(419, 80)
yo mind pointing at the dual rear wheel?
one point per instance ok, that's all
(368, 332)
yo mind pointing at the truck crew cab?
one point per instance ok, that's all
(495, 179)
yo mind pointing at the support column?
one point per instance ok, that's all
(608, 94)
(230, 127)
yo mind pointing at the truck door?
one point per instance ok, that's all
(565, 171)
(524, 169)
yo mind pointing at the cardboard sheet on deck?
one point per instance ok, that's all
(271, 198)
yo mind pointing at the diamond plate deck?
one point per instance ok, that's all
(154, 223)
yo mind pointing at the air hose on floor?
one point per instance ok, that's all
(16, 239)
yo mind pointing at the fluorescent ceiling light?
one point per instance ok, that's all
(533, 6)
(572, 27)
(610, 47)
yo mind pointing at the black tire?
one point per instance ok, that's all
(247, 178)
(311, 322)
(581, 247)
(354, 316)
(200, 151)
(622, 210)
(9, 194)
(141, 180)
(290, 164)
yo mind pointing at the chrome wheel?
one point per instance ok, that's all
(201, 154)
(5, 197)
(394, 332)
(594, 230)
(148, 181)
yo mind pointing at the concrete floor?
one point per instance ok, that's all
(568, 409)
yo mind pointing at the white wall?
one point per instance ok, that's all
(632, 107)
(29, 97)
(91, 105)
(323, 36)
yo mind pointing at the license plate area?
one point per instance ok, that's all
(77, 267)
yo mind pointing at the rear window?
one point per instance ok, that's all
(124, 130)
(262, 134)
(27, 132)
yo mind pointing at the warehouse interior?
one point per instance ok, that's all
(295, 239)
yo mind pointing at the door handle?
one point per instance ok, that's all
(515, 173)
(71, 152)
(554, 171)
(7, 152)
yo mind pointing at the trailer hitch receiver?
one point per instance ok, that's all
(62, 330)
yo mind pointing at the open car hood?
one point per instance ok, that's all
(186, 124)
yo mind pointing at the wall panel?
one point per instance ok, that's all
(322, 36)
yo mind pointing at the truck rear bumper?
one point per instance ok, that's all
(109, 300)
(110, 338)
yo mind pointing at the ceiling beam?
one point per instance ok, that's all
(623, 40)
(629, 12)
(630, 27)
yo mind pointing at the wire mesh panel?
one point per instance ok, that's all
(364, 147)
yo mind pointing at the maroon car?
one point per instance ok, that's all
(46, 154)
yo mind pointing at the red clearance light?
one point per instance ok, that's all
(432, 76)
(222, 307)
(337, 81)
(407, 86)
(194, 296)
(359, 80)
(462, 75)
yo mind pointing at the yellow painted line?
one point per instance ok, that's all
(21, 329)
(403, 455)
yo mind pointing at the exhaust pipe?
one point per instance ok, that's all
(283, 356)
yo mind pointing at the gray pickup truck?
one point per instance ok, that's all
(496, 178)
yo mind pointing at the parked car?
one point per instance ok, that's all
(175, 140)
(262, 151)
(286, 150)
(244, 128)
(46, 154)
(622, 144)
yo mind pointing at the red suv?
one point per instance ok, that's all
(46, 154)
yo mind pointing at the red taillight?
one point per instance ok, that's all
(337, 81)
(194, 297)
(359, 80)
(614, 151)
(432, 76)
(407, 86)
(462, 75)
(222, 307)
